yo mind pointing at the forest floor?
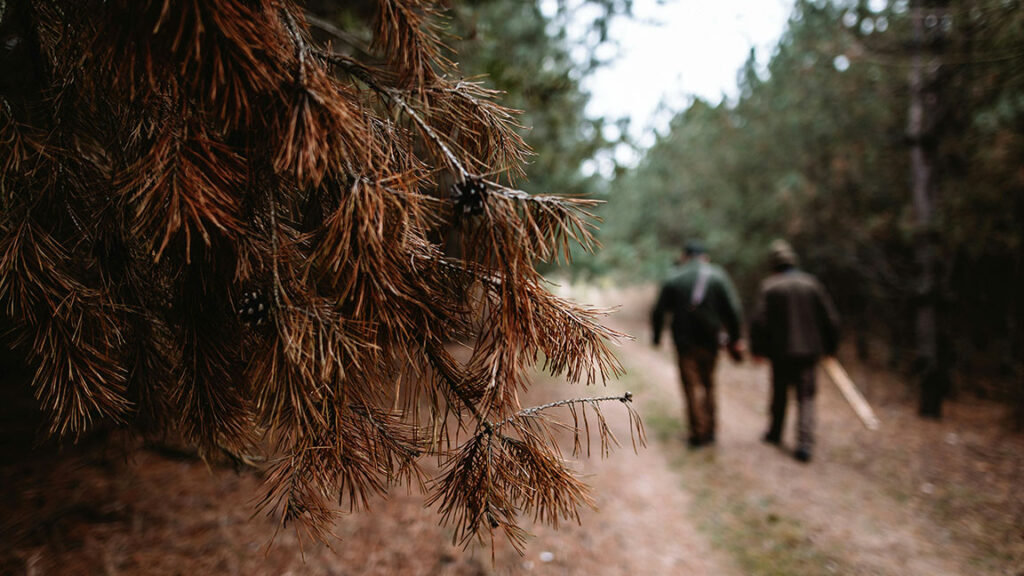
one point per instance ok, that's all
(915, 497)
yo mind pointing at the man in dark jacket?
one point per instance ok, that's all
(794, 324)
(702, 302)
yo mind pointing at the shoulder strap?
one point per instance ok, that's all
(700, 287)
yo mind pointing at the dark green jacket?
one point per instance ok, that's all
(793, 318)
(700, 325)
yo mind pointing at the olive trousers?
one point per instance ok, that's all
(697, 372)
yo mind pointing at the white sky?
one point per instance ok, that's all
(676, 48)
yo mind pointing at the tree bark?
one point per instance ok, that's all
(924, 101)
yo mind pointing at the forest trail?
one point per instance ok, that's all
(914, 498)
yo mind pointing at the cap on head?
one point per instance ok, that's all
(695, 248)
(782, 254)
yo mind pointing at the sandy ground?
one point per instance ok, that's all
(916, 497)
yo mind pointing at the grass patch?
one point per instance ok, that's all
(663, 427)
(755, 531)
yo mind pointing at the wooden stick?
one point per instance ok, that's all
(853, 396)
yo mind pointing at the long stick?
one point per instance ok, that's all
(853, 396)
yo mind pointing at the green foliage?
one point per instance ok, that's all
(813, 149)
(524, 54)
(801, 141)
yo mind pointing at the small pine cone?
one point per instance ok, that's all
(469, 195)
(253, 308)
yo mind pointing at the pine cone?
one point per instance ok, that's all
(469, 195)
(253, 308)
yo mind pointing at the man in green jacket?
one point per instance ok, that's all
(794, 324)
(702, 303)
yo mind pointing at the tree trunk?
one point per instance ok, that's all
(924, 100)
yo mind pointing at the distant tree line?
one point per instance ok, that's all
(827, 145)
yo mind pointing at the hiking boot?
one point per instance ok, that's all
(802, 455)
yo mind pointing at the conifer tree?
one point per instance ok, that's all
(214, 225)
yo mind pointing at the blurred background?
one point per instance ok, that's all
(883, 139)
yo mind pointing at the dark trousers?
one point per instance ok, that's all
(795, 373)
(697, 372)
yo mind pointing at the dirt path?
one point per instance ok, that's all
(643, 523)
(91, 512)
(843, 515)
(871, 503)
(928, 498)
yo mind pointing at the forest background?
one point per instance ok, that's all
(817, 147)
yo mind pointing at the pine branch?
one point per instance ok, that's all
(407, 33)
(536, 410)
(225, 53)
(67, 328)
(323, 131)
(487, 133)
(211, 225)
(186, 185)
(495, 476)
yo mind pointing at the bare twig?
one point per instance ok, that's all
(535, 410)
